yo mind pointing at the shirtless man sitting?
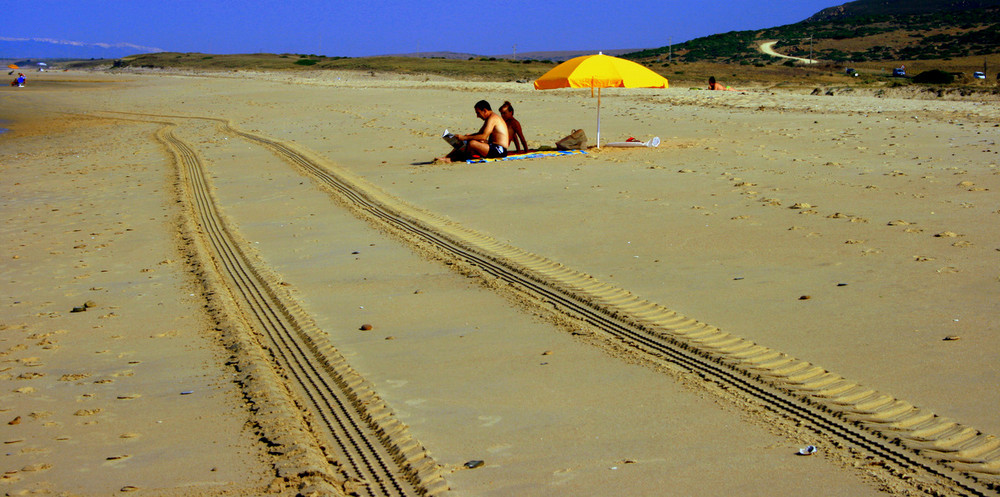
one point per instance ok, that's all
(491, 141)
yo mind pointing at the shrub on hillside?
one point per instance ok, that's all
(934, 76)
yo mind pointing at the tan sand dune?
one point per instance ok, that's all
(845, 245)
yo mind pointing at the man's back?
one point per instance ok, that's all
(499, 134)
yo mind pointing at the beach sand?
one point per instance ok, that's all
(855, 232)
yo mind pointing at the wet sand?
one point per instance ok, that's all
(882, 211)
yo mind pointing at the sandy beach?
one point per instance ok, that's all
(167, 236)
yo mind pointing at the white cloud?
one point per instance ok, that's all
(83, 44)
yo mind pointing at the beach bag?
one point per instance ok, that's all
(577, 140)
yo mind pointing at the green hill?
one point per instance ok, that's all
(865, 30)
(868, 8)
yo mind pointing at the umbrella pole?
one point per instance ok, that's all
(598, 118)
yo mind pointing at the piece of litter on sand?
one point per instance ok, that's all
(187, 392)
(808, 450)
(473, 464)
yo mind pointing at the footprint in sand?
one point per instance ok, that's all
(489, 420)
(31, 362)
(17, 348)
(74, 376)
(42, 466)
(562, 476)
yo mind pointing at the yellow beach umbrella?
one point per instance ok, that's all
(13, 66)
(600, 71)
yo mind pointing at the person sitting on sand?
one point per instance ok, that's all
(491, 141)
(712, 85)
(513, 126)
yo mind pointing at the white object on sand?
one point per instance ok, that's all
(808, 450)
(654, 142)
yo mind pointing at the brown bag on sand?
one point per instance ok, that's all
(577, 140)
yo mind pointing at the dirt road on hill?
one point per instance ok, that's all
(768, 48)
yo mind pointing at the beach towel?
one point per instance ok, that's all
(529, 155)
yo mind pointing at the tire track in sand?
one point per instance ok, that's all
(922, 449)
(375, 454)
(957, 458)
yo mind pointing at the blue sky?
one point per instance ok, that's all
(378, 27)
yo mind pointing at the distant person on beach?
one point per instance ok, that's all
(19, 81)
(491, 141)
(713, 85)
(513, 126)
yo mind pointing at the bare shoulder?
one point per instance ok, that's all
(496, 120)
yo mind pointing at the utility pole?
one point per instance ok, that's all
(670, 50)
(515, 51)
(810, 49)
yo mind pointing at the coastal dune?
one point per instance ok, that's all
(852, 236)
